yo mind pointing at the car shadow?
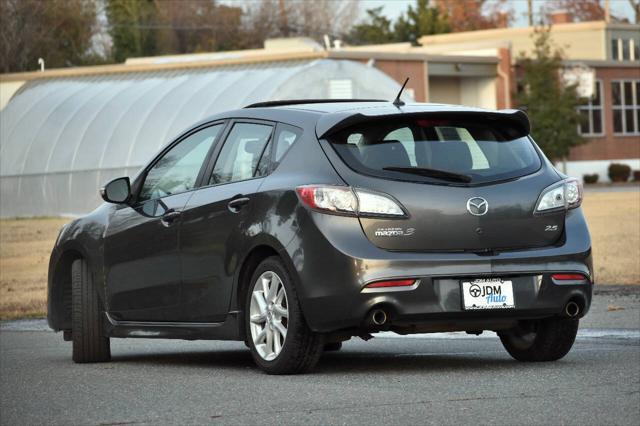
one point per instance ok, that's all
(218, 358)
(331, 363)
(397, 363)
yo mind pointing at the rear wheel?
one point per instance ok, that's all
(548, 339)
(277, 333)
(89, 341)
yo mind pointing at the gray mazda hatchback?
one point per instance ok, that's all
(296, 225)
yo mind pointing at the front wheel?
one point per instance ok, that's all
(89, 342)
(548, 339)
(277, 333)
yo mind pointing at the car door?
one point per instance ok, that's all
(141, 252)
(214, 220)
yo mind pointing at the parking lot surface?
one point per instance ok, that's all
(426, 379)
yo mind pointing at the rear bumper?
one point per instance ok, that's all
(334, 261)
(436, 305)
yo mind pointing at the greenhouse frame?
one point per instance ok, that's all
(62, 138)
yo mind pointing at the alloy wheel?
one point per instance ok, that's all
(269, 315)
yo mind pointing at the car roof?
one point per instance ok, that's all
(331, 115)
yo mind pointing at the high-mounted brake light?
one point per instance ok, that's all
(566, 194)
(349, 201)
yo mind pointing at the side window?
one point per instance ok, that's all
(238, 159)
(178, 169)
(285, 138)
(263, 164)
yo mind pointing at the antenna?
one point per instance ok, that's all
(397, 102)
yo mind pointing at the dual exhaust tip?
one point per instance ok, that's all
(379, 317)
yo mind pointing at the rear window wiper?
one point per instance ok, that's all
(434, 173)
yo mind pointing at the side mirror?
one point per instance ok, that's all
(118, 191)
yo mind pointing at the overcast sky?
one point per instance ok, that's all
(393, 8)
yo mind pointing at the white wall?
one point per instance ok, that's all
(579, 168)
(478, 92)
(7, 89)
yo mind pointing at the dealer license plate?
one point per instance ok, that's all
(489, 293)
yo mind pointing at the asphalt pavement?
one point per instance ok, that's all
(427, 379)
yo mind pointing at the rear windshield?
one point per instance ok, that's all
(438, 150)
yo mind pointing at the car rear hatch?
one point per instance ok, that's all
(467, 181)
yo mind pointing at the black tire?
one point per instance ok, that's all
(332, 347)
(89, 342)
(542, 340)
(302, 347)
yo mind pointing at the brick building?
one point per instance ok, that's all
(610, 50)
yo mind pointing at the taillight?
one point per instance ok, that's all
(349, 201)
(568, 277)
(566, 194)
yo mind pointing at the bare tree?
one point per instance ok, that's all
(60, 31)
(635, 4)
(197, 25)
(471, 15)
(284, 18)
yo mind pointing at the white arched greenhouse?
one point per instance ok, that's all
(62, 138)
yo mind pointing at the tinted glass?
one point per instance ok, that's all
(628, 93)
(596, 95)
(617, 120)
(241, 153)
(482, 150)
(285, 138)
(615, 93)
(630, 125)
(263, 164)
(614, 49)
(178, 169)
(626, 55)
(584, 121)
(597, 121)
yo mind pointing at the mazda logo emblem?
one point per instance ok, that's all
(477, 206)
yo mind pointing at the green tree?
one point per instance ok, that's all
(59, 31)
(132, 25)
(376, 29)
(550, 104)
(423, 20)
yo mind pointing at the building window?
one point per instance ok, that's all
(340, 89)
(591, 114)
(626, 111)
(625, 49)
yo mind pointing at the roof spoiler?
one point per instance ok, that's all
(330, 124)
(286, 102)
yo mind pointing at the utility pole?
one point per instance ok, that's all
(530, 12)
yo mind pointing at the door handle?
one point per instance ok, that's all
(237, 203)
(169, 217)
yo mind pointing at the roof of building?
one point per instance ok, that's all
(275, 50)
(504, 33)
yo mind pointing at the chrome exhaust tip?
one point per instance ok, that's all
(379, 317)
(572, 309)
